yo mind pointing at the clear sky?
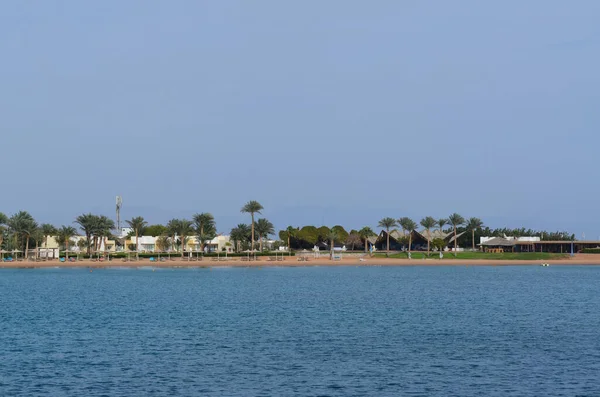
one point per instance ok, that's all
(326, 112)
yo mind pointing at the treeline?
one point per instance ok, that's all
(308, 236)
(21, 231)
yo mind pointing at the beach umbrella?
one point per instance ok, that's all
(4, 252)
(16, 253)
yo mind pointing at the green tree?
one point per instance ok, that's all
(205, 227)
(439, 243)
(408, 225)
(155, 230)
(263, 228)
(287, 234)
(38, 237)
(332, 236)
(185, 230)
(102, 231)
(308, 236)
(240, 235)
(387, 223)
(252, 207)
(365, 233)
(88, 224)
(428, 222)
(163, 243)
(64, 235)
(3, 222)
(341, 232)
(173, 227)
(456, 221)
(441, 223)
(137, 224)
(22, 225)
(472, 225)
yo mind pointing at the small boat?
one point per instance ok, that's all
(545, 264)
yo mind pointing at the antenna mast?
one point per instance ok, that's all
(119, 204)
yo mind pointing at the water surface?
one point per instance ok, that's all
(330, 331)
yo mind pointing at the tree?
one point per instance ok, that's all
(173, 227)
(439, 243)
(456, 220)
(47, 230)
(408, 225)
(163, 243)
(387, 223)
(332, 236)
(88, 224)
(428, 222)
(104, 225)
(137, 224)
(38, 236)
(185, 230)
(365, 233)
(341, 232)
(205, 226)
(252, 207)
(155, 230)
(288, 234)
(3, 222)
(472, 225)
(441, 223)
(23, 225)
(353, 240)
(64, 235)
(264, 228)
(240, 234)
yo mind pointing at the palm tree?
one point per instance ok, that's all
(263, 229)
(289, 233)
(163, 243)
(3, 222)
(23, 225)
(137, 224)
(205, 227)
(38, 236)
(88, 224)
(387, 223)
(239, 234)
(64, 235)
(472, 225)
(173, 227)
(48, 230)
(104, 225)
(441, 223)
(332, 236)
(185, 230)
(365, 233)
(408, 225)
(456, 220)
(428, 222)
(252, 207)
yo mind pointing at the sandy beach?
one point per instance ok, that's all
(578, 259)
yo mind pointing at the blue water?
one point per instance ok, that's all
(443, 331)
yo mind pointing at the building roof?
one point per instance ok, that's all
(499, 242)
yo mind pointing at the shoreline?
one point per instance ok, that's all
(578, 259)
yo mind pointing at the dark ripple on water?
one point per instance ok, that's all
(303, 331)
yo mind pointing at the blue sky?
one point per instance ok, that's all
(326, 112)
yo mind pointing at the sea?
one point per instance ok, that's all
(303, 331)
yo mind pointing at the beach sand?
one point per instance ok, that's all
(578, 259)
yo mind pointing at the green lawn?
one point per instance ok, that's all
(479, 255)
